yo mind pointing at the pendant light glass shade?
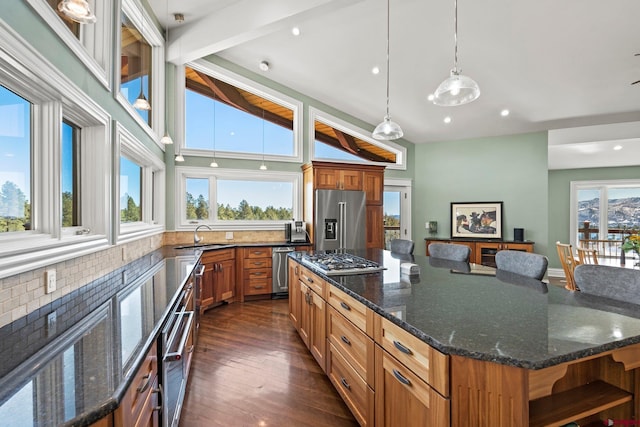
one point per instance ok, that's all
(179, 158)
(141, 102)
(166, 139)
(77, 10)
(213, 163)
(387, 130)
(458, 89)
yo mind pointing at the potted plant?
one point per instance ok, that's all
(632, 243)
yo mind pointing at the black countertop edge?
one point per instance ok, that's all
(476, 239)
(214, 246)
(450, 350)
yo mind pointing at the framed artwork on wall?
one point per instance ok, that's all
(477, 220)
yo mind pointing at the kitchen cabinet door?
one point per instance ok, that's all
(374, 186)
(318, 329)
(295, 295)
(375, 226)
(208, 279)
(305, 318)
(225, 280)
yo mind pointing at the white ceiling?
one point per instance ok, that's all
(553, 64)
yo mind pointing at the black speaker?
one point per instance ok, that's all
(518, 234)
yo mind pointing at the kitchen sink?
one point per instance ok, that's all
(203, 247)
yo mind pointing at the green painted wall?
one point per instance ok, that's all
(511, 169)
(559, 198)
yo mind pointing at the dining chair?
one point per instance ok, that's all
(450, 251)
(617, 283)
(568, 261)
(523, 263)
(401, 246)
(587, 256)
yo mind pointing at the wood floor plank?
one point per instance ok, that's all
(251, 368)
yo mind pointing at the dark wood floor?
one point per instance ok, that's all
(250, 368)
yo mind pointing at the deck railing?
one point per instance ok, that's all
(607, 248)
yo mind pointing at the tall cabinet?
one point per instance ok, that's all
(341, 176)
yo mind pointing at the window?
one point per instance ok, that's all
(70, 175)
(232, 117)
(53, 138)
(141, 70)
(229, 198)
(141, 188)
(602, 211)
(130, 191)
(15, 163)
(91, 43)
(334, 139)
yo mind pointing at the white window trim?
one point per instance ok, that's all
(147, 27)
(55, 96)
(94, 46)
(244, 83)
(153, 187)
(406, 203)
(601, 184)
(182, 173)
(350, 129)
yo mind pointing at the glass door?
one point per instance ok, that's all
(397, 213)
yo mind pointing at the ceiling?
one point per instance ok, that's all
(553, 65)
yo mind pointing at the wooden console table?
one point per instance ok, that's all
(484, 251)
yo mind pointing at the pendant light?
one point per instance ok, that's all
(263, 167)
(213, 163)
(77, 10)
(166, 139)
(458, 89)
(179, 157)
(141, 102)
(387, 130)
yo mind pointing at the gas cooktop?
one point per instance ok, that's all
(340, 263)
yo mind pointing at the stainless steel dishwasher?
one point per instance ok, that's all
(280, 273)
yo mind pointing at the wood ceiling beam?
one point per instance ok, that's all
(229, 95)
(347, 142)
(364, 154)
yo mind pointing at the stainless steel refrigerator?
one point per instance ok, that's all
(340, 220)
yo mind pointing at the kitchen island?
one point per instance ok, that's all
(496, 350)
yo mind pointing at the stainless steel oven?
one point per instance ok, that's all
(177, 345)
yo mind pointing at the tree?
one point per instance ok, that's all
(12, 201)
(202, 208)
(67, 209)
(191, 207)
(132, 212)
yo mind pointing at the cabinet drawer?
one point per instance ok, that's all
(257, 286)
(353, 344)
(257, 274)
(349, 307)
(358, 396)
(257, 263)
(139, 392)
(403, 399)
(218, 255)
(257, 252)
(313, 281)
(431, 365)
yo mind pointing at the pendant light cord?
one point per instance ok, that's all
(455, 36)
(388, 32)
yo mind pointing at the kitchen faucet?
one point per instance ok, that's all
(197, 239)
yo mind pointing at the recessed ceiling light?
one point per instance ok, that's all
(375, 70)
(504, 113)
(617, 147)
(447, 120)
(264, 66)
(295, 31)
(430, 97)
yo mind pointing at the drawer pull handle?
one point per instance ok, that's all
(259, 286)
(258, 273)
(345, 340)
(401, 377)
(309, 279)
(144, 386)
(344, 382)
(345, 305)
(402, 348)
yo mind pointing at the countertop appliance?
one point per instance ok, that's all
(340, 220)
(295, 232)
(333, 264)
(280, 272)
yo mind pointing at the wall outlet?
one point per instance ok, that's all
(50, 281)
(426, 225)
(229, 235)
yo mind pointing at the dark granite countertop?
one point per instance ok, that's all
(505, 319)
(73, 369)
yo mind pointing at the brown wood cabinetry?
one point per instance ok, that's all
(218, 280)
(484, 251)
(332, 176)
(139, 406)
(255, 272)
